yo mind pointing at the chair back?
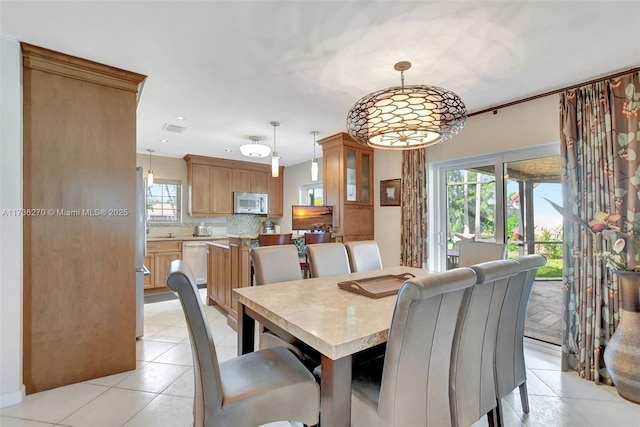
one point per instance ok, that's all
(274, 264)
(364, 255)
(415, 375)
(472, 253)
(510, 368)
(472, 384)
(208, 390)
(311, 238)
(274, 239)
(328, 259)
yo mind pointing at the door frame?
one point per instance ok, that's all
(437, 195)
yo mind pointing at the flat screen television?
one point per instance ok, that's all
(312, 218)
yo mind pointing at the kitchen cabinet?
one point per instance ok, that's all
(211, 182)
(209, 189)
(249, 181)
(218, 273)
(160, 254)
(348, 186)
(274, 192)
(149, 262)
(240, 274)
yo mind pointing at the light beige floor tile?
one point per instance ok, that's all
(148, 350)
(619, 414)
(547, 411)
(174, 411)
(149, 330)
(112, 408)
(179, 354)
(569, 384)
(226, 353)
(111, 380)
(183, 386)
(153, 377)
(166, 319)
(170, 334)
(19, 422)
(231, 340)
(54, 405)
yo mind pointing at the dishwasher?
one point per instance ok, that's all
(194, 254)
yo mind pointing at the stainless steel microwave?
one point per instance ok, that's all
(250, 203)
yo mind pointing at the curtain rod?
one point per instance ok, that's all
(553, 92)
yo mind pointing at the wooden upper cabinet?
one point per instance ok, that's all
(211, 183)
(348, 185)
(249, 181)
(221, 187)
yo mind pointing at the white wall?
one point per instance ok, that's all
(11, 386)
(387, 219)
(294, 177)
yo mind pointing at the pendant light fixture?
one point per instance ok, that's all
(255, 149)
(150, 173)
(406, 117)
(314, 162)
(275, 159)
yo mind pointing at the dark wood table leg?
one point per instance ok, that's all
(335, 392)
(246, 328)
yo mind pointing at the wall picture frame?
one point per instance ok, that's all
(390, 192)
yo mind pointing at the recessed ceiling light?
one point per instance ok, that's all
(228, 150)
(164, 140)
(178, 117)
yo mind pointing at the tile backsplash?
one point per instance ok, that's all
(233, 224)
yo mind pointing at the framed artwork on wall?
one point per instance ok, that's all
(390, 192)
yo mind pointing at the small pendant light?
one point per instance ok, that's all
(275, 159)
(150, 173)
(314, 162)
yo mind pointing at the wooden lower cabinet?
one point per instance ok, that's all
(159, 256)
(229, 268)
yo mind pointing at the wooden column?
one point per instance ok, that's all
(79, 249)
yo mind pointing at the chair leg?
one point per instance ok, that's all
(524, 397)
(492, 418)
(499, 415)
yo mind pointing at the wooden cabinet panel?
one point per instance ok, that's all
(200, 190)
(149, 262)
(249, 181)
(218, 280)
(348, 185)
(79, 140)
(162, 261)
(274, 192)
(222, 194)
(160, 255)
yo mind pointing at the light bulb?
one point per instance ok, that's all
(150, 178)
(275, 165)
(314, 169)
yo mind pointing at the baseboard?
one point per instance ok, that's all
(13, 398)
(545, 347)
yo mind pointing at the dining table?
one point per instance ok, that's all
(336, 322)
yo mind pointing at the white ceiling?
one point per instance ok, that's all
(231, 67)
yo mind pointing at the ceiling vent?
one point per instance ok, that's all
(173, 128)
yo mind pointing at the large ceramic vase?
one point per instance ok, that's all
(622, 354)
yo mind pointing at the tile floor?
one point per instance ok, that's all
(159, 392)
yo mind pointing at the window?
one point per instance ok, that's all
(163, 201)
(311, 194)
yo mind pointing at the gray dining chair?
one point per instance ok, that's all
(472, 389)
(275, 264)
(328, 259)
(510, 368)
(408, 386)
(471, 252)
(364, 255)
(249, 390)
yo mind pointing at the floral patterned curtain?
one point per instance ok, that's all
(414, 207)
(599, 133)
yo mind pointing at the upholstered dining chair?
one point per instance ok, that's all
(510, 368)
(275, 264)
(472, 390)
(471, 252)
(270, 239)
(253, 389)
(408, 387)
(328, 259)
(310, 239)
(364, 255)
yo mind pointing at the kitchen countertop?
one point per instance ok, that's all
(185, 238)
(220, 243)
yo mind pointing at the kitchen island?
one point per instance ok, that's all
(229, 267)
